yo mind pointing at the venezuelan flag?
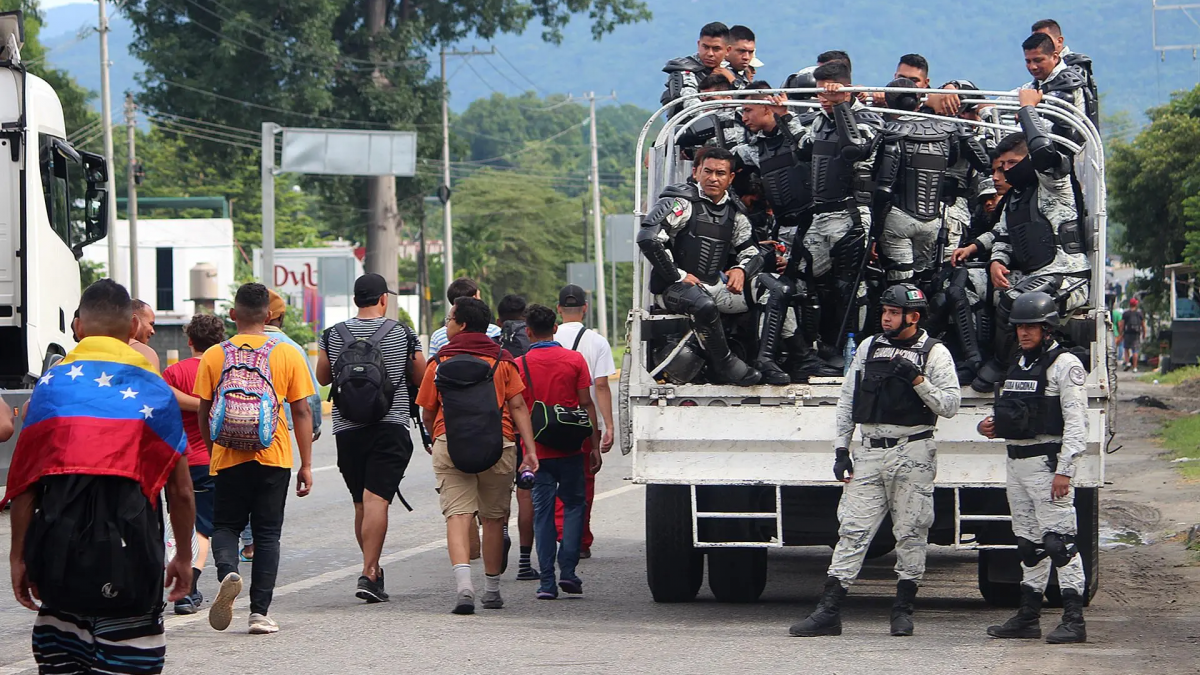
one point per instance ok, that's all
(104, 411)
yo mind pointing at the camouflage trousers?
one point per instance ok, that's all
(908, 245)
(896, 480)
(1035, 513)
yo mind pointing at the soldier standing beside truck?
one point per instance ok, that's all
(899, 383)
(1041, 412)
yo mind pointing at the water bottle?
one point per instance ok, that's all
(848, 353)
(525, 479)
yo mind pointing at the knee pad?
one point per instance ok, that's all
(704, 309)
(847, 253)
(1031, 554)
(1060, 547)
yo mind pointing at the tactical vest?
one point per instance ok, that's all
(1032, 236)
(832, 176)
(881, 397)
(1023, 410)
(702, 248)
(925, 157)
(785, 179)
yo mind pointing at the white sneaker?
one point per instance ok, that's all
(261, 624)
(221, 612)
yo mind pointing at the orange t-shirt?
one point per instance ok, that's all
(508, 384)
(289, 374)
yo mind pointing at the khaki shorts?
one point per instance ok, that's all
(463, 494)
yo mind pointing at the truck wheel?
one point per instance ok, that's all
(1087, 539)
(737, 574)
(999, 593)
(674, 568)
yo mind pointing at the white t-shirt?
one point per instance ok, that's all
(595, 351)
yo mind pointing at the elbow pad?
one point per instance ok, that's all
(847, 125)
(1042, 151)
(887, 169)
(654, 250)
(976, 155)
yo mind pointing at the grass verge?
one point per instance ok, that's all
(1172, 378)
(1182, 437)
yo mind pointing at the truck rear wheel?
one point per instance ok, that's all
(737, 574)
(674, 568)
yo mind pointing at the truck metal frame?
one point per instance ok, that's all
(733, 471)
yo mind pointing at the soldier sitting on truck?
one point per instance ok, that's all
(1042, 414)
(899, 383)
(1041, 242)
(685, 73)
(703, 254)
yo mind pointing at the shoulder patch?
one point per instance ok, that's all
(677, 207)
(1077, 375)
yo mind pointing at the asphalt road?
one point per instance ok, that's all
(616, 627)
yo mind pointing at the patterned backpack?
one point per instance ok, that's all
(246, 408)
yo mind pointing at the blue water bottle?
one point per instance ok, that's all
(848, 353)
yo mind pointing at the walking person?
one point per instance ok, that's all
(274, 328)
(515, 340)
(461, 287)
(243, 384)
(1133, 330)
(474, 449)
(898, 385)
(1041, 413)
(102, 437)
(369, 361)
(572, 334)
(558, 378)
(203, 331)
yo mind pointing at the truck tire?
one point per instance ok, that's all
(999, 593)
(674, 568)
(1006, 594)
(737, 574)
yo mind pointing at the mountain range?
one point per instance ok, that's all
(974, 40)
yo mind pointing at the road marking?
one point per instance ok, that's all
(175, 621)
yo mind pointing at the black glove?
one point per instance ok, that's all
(905, 369)
(842, 465)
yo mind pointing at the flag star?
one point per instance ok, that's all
(76, 371)
(46, 378)
(128, 393)
(147, 411)
(103, 380)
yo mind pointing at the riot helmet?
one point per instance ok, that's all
(1034, 308)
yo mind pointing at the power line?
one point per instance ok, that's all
(181, 132)
(210, 132)
(518, 71)
(250, 134)
(278, 110)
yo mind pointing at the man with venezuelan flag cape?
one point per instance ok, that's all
(102, 411)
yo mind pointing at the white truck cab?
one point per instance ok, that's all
(52, 204)
(732, 472)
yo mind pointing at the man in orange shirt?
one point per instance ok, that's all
(251, 485)
(488, 493)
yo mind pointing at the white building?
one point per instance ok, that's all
(167, 251)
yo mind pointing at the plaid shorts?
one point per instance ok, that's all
(66, 643)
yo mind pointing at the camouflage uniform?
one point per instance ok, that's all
(1034, 512)
(898, 479)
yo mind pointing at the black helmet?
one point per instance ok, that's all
(901, 101)
(802, 79)
(967, 102)
(685, 367)
(1034, 308)
(906, 297)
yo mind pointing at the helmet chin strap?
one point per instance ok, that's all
(905, 324)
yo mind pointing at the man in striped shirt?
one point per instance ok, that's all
(461, 287)
(373, 457)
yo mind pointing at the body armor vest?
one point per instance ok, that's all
(1031, 234)
(1023, 410)
(785, 179)
(702, 248)
(832, 176)
(925, 156)
(880, 397)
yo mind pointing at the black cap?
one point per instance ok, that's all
(572, 296)
(369, 287)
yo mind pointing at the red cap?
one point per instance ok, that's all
(1133, 302)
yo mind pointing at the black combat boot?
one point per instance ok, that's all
(772, 327)
(826, 619)
(902, 609)
(1072, 629)
(1025, 624)
(803, 361)
(726, 368)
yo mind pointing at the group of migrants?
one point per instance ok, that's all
(105, 436)
(960, 254)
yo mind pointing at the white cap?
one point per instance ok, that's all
(755, 63)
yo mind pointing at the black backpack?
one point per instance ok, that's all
(563, 428)
(474, 423)
(95, 547)
(514, 338)
(361, 388)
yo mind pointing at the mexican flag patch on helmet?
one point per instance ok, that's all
(915, 294)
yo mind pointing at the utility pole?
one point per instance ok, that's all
(447, 227)
(383, 231)
(597, 228)
(106, 125)
(268, 203)
(132, 206)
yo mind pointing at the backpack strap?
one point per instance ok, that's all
(528, 376)
(575, 347)
(343, 332)
(381, 332)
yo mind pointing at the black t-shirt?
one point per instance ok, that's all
(1133, 321)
